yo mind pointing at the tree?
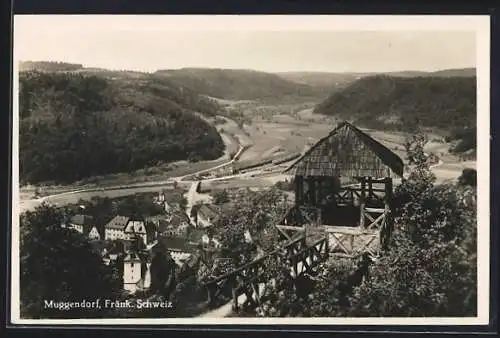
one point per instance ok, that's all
(410, 280)
(183, 203)
(257, 213)
(66, 121)
(430, 268)
(468, 177)
(58, 264)
(446, 103)
(162, 271)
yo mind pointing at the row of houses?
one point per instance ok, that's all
(120, 227)
(170, 232)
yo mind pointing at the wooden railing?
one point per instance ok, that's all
(350, 242)
(374, 218)
(298, 215)
(348, 195)
(307, 258)
(246, 279)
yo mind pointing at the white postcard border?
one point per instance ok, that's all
(479, 24)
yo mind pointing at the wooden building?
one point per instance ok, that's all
(356, 218)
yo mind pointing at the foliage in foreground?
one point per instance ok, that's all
(60, 265)
(57, 264)
(256, 214)
(431, 267)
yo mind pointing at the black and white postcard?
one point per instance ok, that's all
(250, 169)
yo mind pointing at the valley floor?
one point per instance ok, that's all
(272, 136)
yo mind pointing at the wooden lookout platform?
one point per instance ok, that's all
(329, 219)
(355, 218)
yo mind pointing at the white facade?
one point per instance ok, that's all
(136, 228)
(134, 278)
(167, 207)
(147, 278)
(77, 227)
(112, 234)
(94, 234)
(132, 274)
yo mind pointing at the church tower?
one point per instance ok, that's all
(132, 272)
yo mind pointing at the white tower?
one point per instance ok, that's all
(131, 272)
(147, 278)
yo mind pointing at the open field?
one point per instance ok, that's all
(142, 176)
(243, 182)
(272, 139)
(71, 198)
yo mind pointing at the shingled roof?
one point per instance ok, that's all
(80, 219)
(118, 223)
(347, 152)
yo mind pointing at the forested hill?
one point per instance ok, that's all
(334, 81)
(49, 66)
(74, 125)
(384, 101)
(235, 84)
(325, 80)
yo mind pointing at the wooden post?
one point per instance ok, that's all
(235, 295)
(370, 187)
(312, 190)
(387, 229)
(256, 290)
(299, 189)
(209, 291)
(362, 203)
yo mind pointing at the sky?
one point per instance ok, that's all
(279, 44)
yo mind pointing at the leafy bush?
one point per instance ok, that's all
(468, 177)
(431, 268)
(59, 264)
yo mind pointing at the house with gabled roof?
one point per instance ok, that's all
(136, 228)
(179, 249)
(85, 225)
(206, 215)
(122, 227)
(79, 221)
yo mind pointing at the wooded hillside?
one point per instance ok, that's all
(235, 84)
(388, 102)
(74, 125)
(49, 66)
(332, 81)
